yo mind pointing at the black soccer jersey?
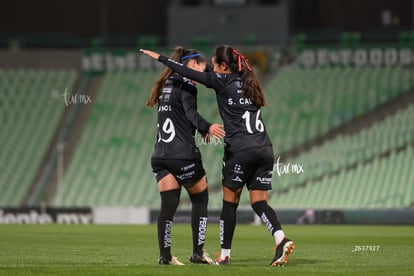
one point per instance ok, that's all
(242, 120)
(178, 120)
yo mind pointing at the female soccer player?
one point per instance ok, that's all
(248, 156)
(176, 159)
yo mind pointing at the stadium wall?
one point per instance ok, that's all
(220, 23)
(40, 59)
(133, 215)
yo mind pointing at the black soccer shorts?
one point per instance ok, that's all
(184, 171)
(252, 167)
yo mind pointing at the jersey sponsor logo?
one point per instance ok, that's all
(164, 108)
(167, 98)
(175, 62)
(188, 81)
(166, 90)
(239, 84)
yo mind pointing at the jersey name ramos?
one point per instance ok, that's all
(178, 120)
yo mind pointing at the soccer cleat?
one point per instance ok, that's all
(225, 261)
(166, 261)
(282, 252)
(201, 259)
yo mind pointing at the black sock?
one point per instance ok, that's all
(199, 220)
(267, 215)
(227, 223)
(169, 204)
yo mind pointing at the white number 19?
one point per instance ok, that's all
(167, 128)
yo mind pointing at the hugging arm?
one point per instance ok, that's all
(204, 127)
(189, 103)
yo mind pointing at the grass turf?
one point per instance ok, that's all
(119, 250)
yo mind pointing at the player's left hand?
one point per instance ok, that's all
(216, 130)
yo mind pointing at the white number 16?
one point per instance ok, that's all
(258, 124)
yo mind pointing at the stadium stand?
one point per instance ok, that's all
(382, 183)
(346, 151)
(109, 157)
(306, 102)
(375, 163)
(110, 163)
(31, 104)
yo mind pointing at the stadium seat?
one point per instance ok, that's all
(33, 104)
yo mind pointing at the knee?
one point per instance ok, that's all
(260, 206)
(199, 198)
(170, 199)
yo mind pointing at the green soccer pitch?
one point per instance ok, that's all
(133, 250)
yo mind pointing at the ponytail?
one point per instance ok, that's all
(240, 64)
(179, 54)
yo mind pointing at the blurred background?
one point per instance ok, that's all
(338, 77)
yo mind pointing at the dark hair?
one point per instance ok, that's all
(181, 55)
(239, 64)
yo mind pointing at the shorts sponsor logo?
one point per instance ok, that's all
(237, 169)
(186, 175)
(186, 168)
(237, 178)
(264, 180)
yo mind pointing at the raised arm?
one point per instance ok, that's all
(205, 78)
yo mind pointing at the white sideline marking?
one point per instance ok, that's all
(66, 265)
